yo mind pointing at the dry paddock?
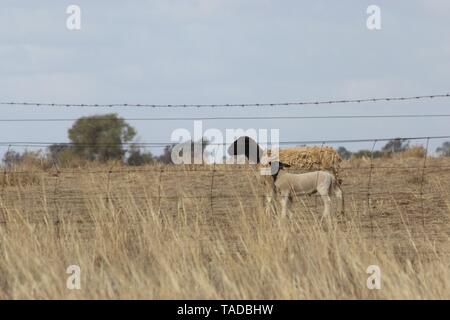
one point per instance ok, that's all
(397, 206)
(403, 199)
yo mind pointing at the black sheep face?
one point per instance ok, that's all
(248, 147)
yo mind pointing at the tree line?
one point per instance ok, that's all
(394, 146)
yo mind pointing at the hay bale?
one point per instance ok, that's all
(310, 158)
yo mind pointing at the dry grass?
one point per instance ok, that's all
(130, 243)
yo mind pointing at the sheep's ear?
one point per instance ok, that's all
(284, 165)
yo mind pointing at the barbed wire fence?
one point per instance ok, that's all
(168, 174)
(215, 168)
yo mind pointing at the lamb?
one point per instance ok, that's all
(289, 184)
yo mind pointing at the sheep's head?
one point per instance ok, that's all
(248, 147)
(275, 167)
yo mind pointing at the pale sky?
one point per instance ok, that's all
(226, 51)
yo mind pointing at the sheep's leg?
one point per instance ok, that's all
(284, 204)
(340, 198)
(326, 210)
(268, 204)
(326, 202)
(272, 194)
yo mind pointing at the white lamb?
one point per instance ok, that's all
(288, 184)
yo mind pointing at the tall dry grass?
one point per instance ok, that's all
(131, 250)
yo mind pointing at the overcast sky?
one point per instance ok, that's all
(226, 51)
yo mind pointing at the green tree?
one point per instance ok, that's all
(166, 156)
(137, 158)
(444, 150)
(12, 158)
(54, 151)
(367, 154)
(100, 137)
(344, 153)
(396, 145)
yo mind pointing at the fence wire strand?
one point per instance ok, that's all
(227, 105)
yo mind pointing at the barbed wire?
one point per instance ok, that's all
(164, 144)
(272, 104)
(375, 116)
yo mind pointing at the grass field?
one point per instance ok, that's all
(202, 232)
